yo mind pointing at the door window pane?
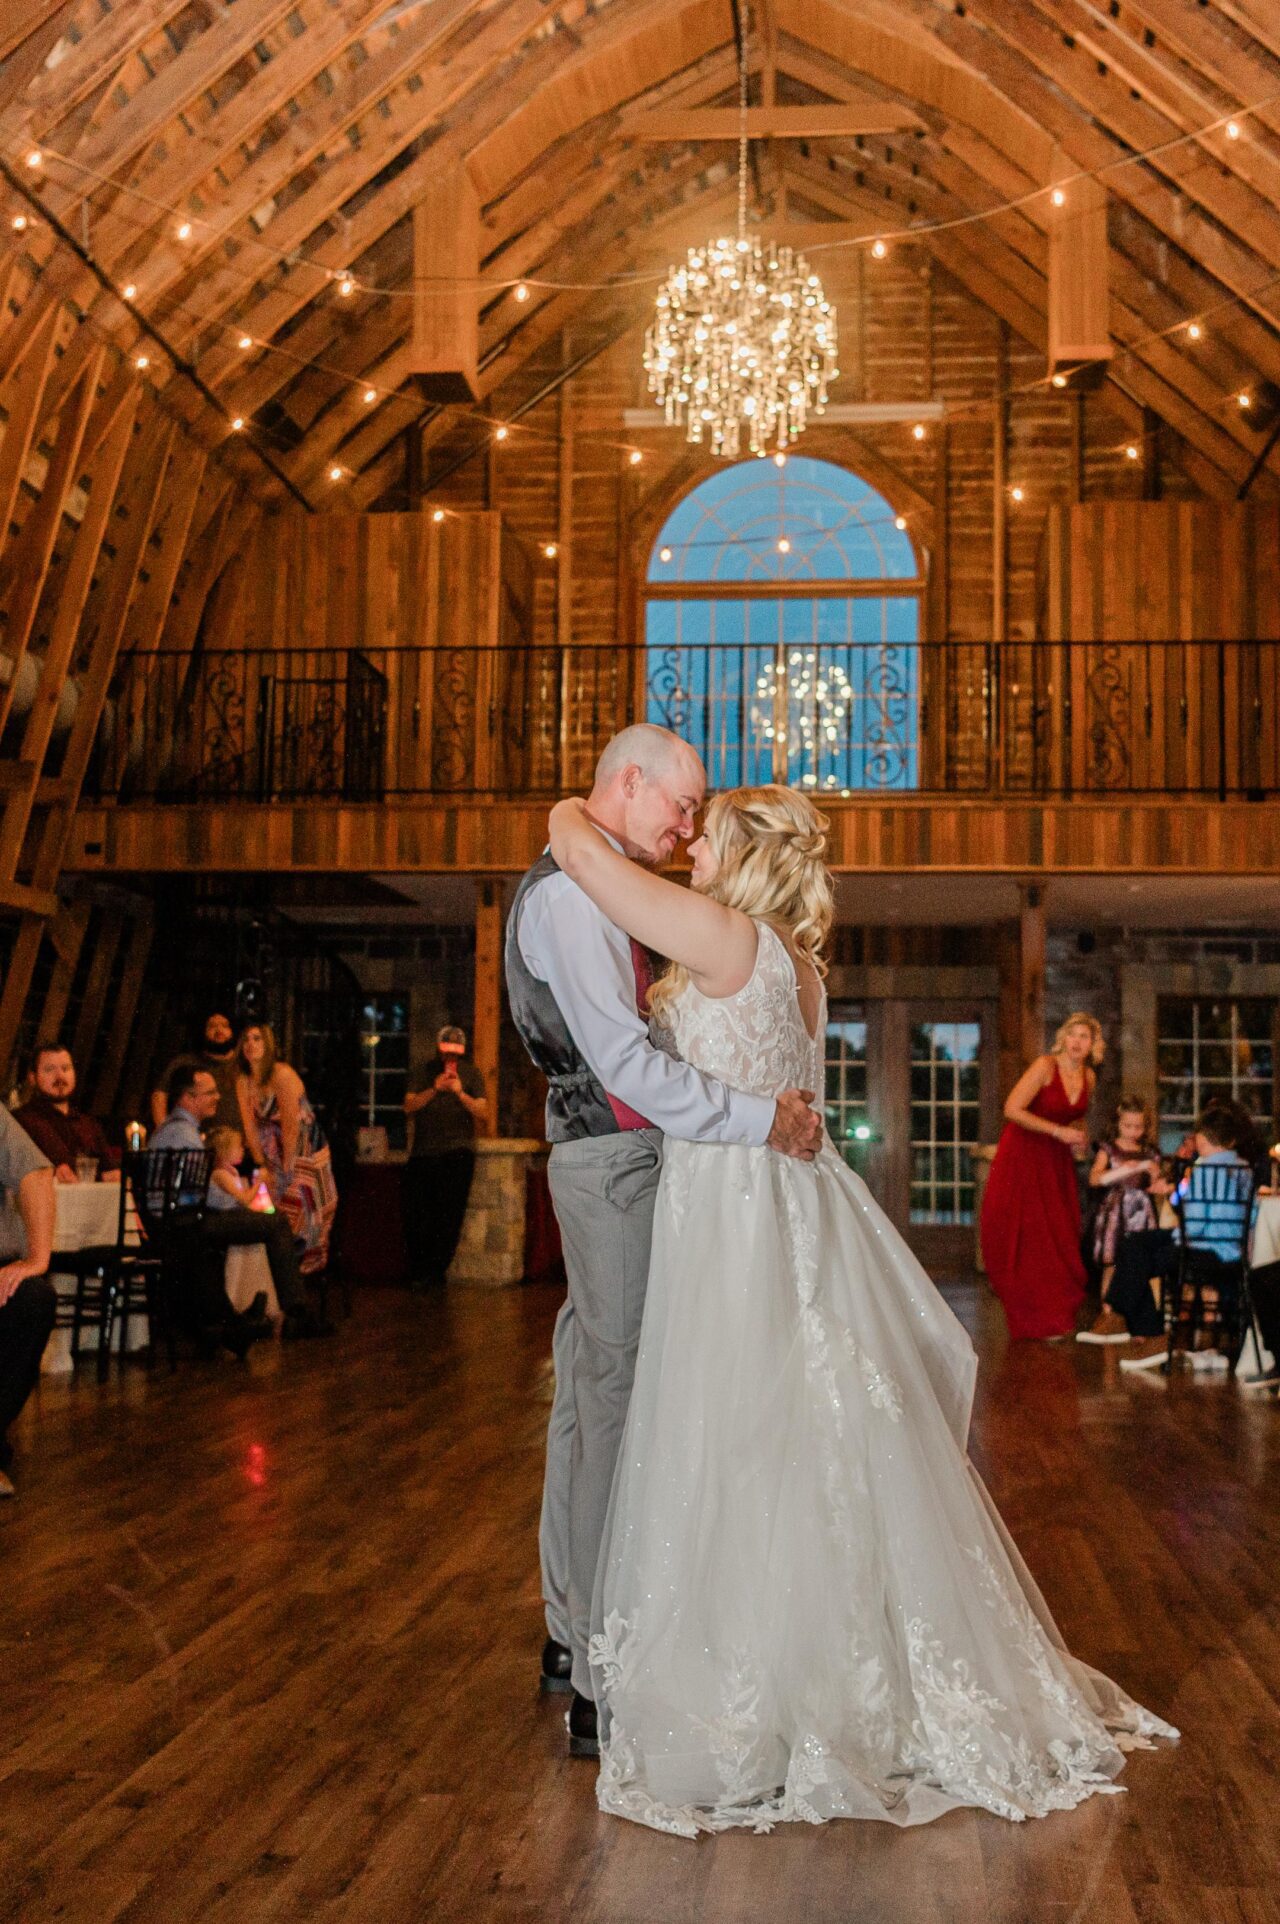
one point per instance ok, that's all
(944, 1129)
(384, 1051)
(846, 1086)
(1212, 1048)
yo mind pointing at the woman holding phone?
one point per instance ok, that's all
(437, 1176)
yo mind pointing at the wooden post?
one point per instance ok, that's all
(999, 491)
(1079, 271)
(1031, 950)
(444, 351)
(487, 1020)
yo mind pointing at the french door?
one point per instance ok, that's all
(911, 1090)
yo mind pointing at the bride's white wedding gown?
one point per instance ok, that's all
(807, 1606)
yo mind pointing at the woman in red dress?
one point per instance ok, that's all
(1031, 1211)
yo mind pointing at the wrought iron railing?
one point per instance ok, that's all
(954, 718)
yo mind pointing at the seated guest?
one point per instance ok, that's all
(27, 1299)
(1121, 1176)
(57, 1126)
(192, 1101)
(1211, 1227)
(1264, 1287)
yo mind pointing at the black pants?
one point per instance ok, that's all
(224, 1229)
(1139, 1257)
(1264, 1287)
(434, 1192)
(25, 1324)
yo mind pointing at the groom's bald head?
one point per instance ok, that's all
(648, 786)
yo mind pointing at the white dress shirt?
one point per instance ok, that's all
(585, 960)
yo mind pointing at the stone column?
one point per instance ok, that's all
(490, 1254)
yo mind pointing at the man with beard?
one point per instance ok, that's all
(218, 1056)
(59, 1128)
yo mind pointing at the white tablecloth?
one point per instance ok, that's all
(1266, 1232)
(85, 1214)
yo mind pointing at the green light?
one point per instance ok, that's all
(863, 1132)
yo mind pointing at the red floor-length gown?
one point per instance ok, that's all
(1031, 1220)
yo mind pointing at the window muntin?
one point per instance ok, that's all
(846, 1085)
(945, 1119)
(1211, 1047)
(384, 1064)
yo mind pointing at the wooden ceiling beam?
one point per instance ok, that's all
(843, 122)
(92, 61)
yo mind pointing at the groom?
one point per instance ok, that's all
(577, 987)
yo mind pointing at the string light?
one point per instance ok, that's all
(1016, 494)
(346, 286)
(141, 360)
(664, 554)
(784, 546)
(520, 292)
(128, 291)
(245, 341)
(1194, 331)
(438, 516)
(1059, 380)
(1244, 400)
(900, 523)
(500, 434)
(1058, 198)
(879, 249)
(917, 432)
(35, 159)
(19, 223)
(1131, 453)
(335, 473)
(370, 396)
(779, 459)
(238, 424)
(635, 457)
(1233, 130)
(550, 550)
(184, 231)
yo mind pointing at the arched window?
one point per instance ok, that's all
(782, 617)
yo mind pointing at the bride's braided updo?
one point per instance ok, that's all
(770, 844)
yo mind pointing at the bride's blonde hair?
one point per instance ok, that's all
(770, 846)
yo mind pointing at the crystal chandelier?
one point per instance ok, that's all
(805, 706)
(743, 336)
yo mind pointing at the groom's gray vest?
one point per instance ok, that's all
(577, 1105)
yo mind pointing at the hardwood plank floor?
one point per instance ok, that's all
(268, 1638)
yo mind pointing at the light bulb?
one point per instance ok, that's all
(19, 223)
(784, 546)
(550, 550)
(141, 360)
(1016, 494)
(1194, 331)
(35, 159)
(1058, 197)
(128, 291)
(245, 341)
(1059, 380)
(184, 230)
(370, 396)
(917, 432)
(237, 424)
(879, 249)
(335, 473)
(520, 292)
(1244, 400)
(346, 287)
(779, 459)
(1131, 453)
(500, 434)
(900, 522)
(664, 554)
(635, 457)
(1233, 130)
(438, 515)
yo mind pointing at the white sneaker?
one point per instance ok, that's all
(1210, 1360)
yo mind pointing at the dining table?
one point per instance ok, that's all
(86, 1215)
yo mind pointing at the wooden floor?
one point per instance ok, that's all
(268, 1639)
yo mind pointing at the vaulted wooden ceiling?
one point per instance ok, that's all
(296, 136)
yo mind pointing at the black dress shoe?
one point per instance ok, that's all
(584, 1738)
(557, 1668)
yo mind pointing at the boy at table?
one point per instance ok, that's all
(27, 1299)
(55, 1124)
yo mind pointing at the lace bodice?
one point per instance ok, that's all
(755, 1039)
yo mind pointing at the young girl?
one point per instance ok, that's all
(228, 1189)
(1122, 1173)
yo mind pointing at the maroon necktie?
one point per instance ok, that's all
(642, 967)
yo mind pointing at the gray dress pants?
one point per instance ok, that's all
(603, 1188)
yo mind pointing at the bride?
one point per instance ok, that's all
(807, 1606)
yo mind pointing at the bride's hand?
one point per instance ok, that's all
(567, 819)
